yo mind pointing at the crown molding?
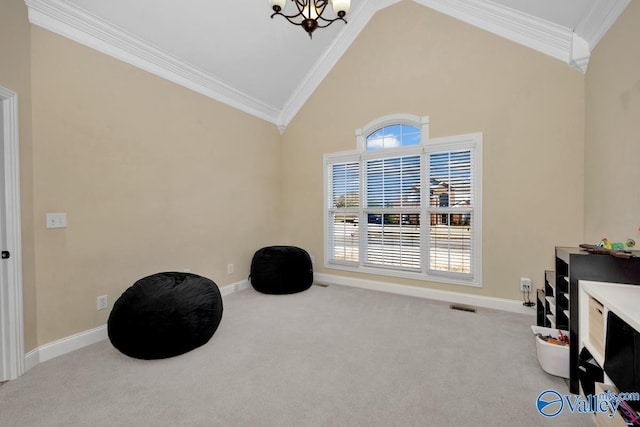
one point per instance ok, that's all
(545, 37)
(572, 46)
(69, 21)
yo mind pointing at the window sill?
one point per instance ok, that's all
(404, 274)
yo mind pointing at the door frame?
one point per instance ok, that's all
(11, 308)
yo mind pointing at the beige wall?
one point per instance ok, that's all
(15, 72)
(153, 177)
(529, 107)
(612, 137)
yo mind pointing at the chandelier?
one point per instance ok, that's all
(310, 12)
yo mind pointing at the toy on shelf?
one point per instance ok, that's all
(617, 249)
(616, 246)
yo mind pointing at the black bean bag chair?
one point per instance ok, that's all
(281, 270)
(164, 315)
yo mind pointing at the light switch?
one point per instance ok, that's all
(56, 220)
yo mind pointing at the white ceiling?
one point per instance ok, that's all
(235, 53)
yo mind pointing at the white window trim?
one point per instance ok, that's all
(471, 141)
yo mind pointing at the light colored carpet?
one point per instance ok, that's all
(335, 356)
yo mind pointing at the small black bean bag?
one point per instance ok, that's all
(281, 270)
(164, 315)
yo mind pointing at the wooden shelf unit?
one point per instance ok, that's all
(571, 266)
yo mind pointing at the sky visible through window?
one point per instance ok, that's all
(393, 136)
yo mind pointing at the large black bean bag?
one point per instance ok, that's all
(164, 315)
(281, 270)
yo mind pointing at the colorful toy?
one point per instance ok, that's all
(604, 243)
(616, 246)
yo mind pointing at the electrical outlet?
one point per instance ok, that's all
(229, 268)
(102, 302)
(57, 220)
(525, 284)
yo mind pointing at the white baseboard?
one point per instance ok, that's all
(64, 346)
(512, 306)
(235, 287)
(92, 336)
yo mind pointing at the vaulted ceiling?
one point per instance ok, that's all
(234, 53)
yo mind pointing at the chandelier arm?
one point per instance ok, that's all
(301, 3)
(330, 21)
(288, 17)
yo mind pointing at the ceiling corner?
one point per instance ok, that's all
(580, 53)
(599, 20)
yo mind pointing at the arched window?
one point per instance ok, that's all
(406, 205)
(392, 136)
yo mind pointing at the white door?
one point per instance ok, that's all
(3, 244)
(11, 323)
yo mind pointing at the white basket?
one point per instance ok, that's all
(553, 358)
